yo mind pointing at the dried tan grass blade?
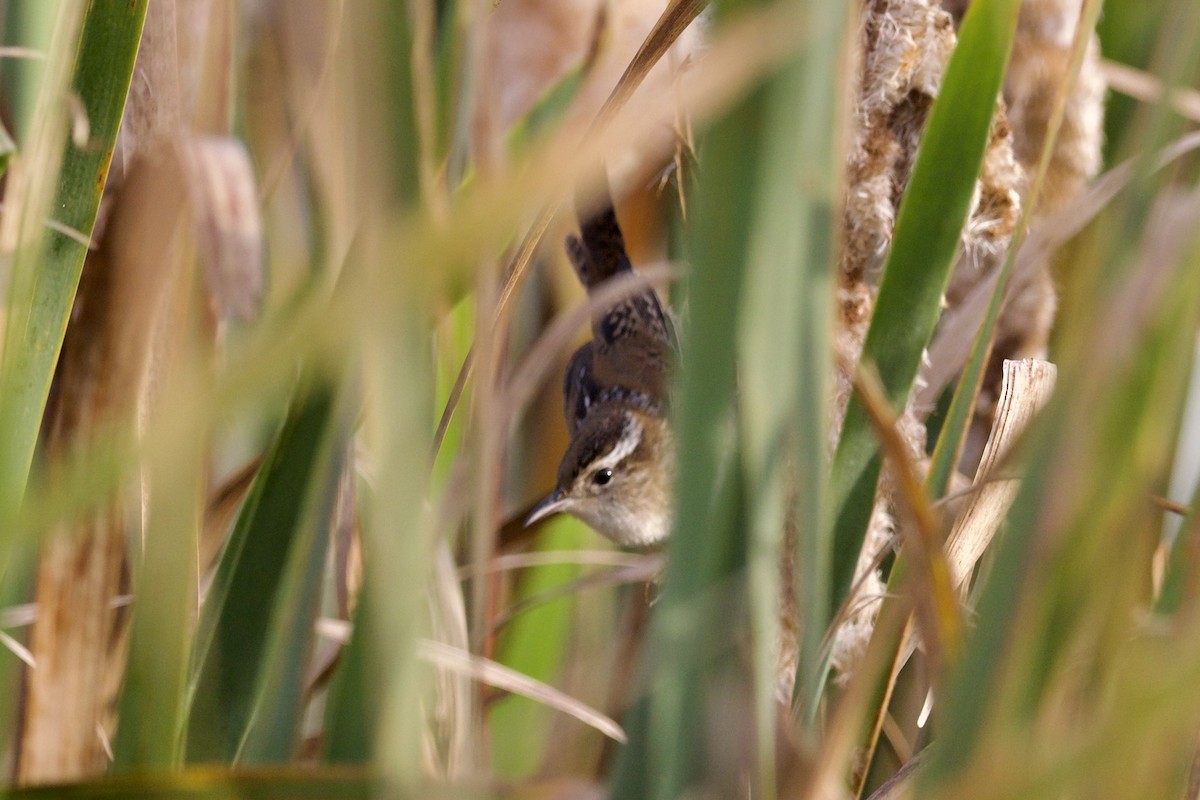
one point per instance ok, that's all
(1027, 386)
(1149, 88)
(223, 196)
(462, 662)
(502, 677)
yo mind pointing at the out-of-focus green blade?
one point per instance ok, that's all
(744, 219)
(28, 24)
(257, 623)
(154, 691)
(692, 629)
(928, 227)
(1030, 609)
(784, 347)
(376, 710)
(1070, 575)
(350, 719)
(818, 159)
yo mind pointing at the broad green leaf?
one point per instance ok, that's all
(49, 256)
(255, 633)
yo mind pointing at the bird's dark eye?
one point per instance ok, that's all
(601, 477)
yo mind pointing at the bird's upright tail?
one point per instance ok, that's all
(598, 253)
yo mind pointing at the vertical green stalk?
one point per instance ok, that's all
(958, 417)
(821, 155)
(34, 22)
(784, 362)
(377, 715)
(703, 608)
(153, 698)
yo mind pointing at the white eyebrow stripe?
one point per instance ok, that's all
(631, 437)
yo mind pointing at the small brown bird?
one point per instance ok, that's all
(618, 470)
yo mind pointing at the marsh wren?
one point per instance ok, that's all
(618, 471)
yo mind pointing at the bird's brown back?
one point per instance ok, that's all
(633, 346)
(599, 254)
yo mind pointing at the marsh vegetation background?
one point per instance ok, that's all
(285, 316)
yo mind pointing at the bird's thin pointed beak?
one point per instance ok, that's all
(551, 505)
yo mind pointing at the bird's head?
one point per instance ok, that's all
(617, 476)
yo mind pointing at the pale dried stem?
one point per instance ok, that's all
(1026, 388)
(462, 662)
(1149, 88)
